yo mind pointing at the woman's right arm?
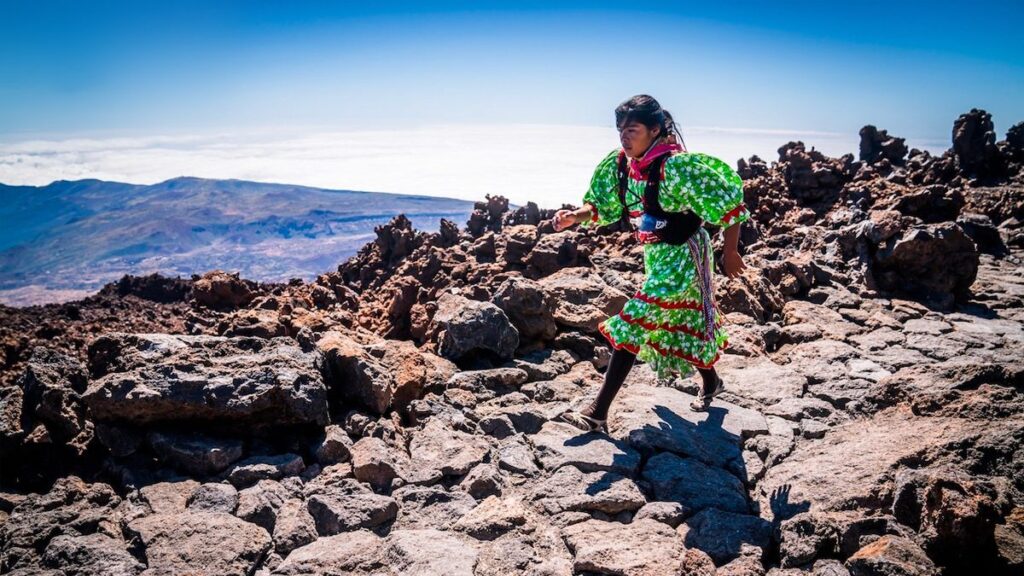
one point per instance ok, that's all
(601, 204)
(566, 218)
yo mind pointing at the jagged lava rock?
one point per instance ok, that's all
(146, 378)
(463, 327)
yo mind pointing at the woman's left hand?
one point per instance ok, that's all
(733, 264)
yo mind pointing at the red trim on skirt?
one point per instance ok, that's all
(663, 351)
(668, 304)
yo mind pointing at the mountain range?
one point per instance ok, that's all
(68, 238)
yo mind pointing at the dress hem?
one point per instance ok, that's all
(663, 351)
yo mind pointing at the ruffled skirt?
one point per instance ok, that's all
(673, 322)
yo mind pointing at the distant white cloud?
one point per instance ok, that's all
(543, 163)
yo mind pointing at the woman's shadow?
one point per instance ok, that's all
(701, 436)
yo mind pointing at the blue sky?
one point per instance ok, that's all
(87, 67)
(465, 99)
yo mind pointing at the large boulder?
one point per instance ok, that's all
(937, 261)
(70, 508)
(528, 306)
(582, 298)
(877, 144)
(725, 535)
(553, 252)
(694, 484)
(660, 419)
(195, 542)
(449, 452)
(642, 548)
(92, 555)
(223, 290)
(339, 554)
(52, 385)
(974, 143)
(891, 556)
(146, 378)
(465, 327)
(852, 466)
(380, 376)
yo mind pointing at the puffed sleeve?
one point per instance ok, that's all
(603, 195)
(707, 186)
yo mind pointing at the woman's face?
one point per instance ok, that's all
(637, 138)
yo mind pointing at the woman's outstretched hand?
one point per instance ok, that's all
(563, 219)
(733, 264)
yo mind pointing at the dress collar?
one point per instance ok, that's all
(637, 167)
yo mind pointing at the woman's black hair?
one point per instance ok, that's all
(643, 109)
(647, 111)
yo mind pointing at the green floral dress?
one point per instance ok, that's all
(665, 322)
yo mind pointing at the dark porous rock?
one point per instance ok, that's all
(381, 375)
(724, 535)
(558, 444)
(496, 379)
(195, 453)
(954, 515)
(694, 484)
(251, 470)
(430, 552)
(516, 456)
(518, 241)
(980, 228)
(553, 252)
(937, 261)
(660, 419)
(569, 489)
(121, 441)
(91, 555)
(464, 327)
(211, 542)
(214, 497)
(71, 507)
(294, 526)
(334, 447)
(974, 144)
(876, 144)
(482, 481)
(168, 497)
(644, 547)
(760, 379)
(148, 378)
(697, 563)
(671, 513)
(851, 467)
(528, 306)
(891, 556)
(492, 518)
(430, 506)
(1009, 538)
(52, 385)
(260, 504)
(222, 290)
(339, 554)
(450, 452)
(347, 504)
(545, 364)
(582, 298)
(375, 462)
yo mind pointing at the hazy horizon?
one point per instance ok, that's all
(549, 165)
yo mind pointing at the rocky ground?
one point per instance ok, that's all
(397, 416)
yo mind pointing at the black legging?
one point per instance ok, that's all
(619, 366)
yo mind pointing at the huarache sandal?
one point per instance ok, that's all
(703, 401)
(584, 422)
